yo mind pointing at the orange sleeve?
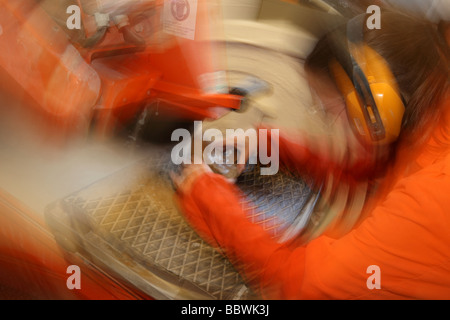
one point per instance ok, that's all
(214, 210)
(406, 237)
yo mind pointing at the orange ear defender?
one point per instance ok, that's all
(374, 104)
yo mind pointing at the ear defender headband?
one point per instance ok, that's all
(374, 104)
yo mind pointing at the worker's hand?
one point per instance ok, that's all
(183, 182)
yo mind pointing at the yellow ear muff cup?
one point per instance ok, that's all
(383, 87)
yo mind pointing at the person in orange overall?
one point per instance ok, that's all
(401, 248)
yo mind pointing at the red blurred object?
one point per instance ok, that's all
(73, 87)
(114, 79)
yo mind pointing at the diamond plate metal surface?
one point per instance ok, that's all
(135, 213)
(275, 200)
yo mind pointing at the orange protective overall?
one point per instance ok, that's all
(406, 236)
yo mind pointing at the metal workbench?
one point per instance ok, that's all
(129, 225)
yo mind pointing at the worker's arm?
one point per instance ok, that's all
(214, 208)
(405, 237)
